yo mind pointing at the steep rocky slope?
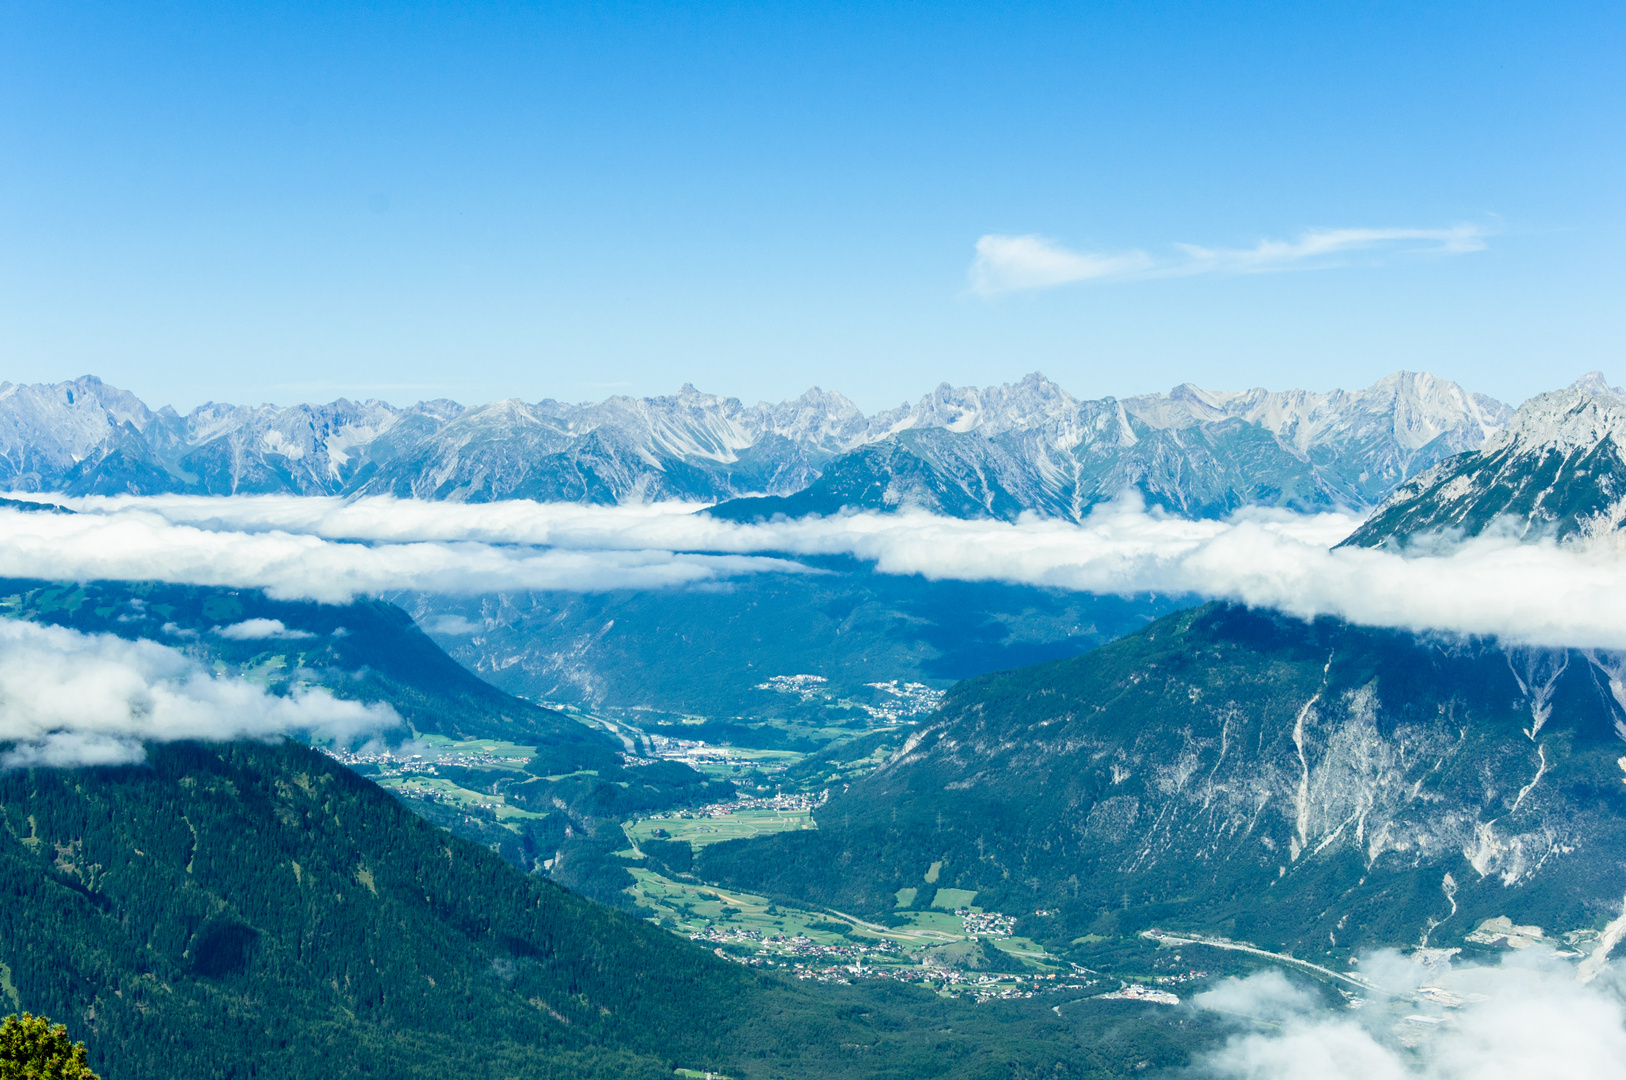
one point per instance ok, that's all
(1315, 787)
(1557, 470)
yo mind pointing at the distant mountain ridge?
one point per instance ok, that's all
(1557, 469)
(975, 452)
(1192, 452)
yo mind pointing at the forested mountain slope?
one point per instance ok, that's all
(577, 779)
(244, 910)
(256, 910)
(1317, 787)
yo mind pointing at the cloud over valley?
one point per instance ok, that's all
(69, 698)
(330, 550)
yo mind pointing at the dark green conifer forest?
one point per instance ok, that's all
(245, 910)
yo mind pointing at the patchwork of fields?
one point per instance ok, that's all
(951, 944)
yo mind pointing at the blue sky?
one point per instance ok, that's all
(289, 202)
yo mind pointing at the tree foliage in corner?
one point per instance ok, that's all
(32, 1048)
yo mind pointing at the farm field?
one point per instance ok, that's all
(446, 793)
(723, 762)
(691, 908)
(700, 831)
(686, 907)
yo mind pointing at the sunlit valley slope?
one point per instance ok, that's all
(1315, 788)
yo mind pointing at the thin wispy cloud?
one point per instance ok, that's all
(1012, 263)
(1522, 593)
(1006, 264)
(260, 630)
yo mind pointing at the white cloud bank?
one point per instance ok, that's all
(327, 549)
(68, 698)
(1015, 263)
(1528, 1017)
(133, 540)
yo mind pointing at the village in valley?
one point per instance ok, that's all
(953, 946)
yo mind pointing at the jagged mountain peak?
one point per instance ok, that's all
(1594, 382)
(825, 420)
(1569, 420)
(1028, 445)
(1413, 408)
(86, 394)
(1030, 402)
(1558, 468)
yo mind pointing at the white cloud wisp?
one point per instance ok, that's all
(326, 549)
(260, 630)
(1012, 263)
(1017, 263)
(68, 698)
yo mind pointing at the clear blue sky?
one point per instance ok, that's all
(288, 202)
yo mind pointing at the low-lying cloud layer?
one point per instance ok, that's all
(327, 549)
(1528, 1017)
(133, 540)
(68, 698)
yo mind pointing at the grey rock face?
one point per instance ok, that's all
(1557, 469)
(973, 452)
(1197, 453)
(1319, 787)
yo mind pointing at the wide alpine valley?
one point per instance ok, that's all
(1057, 797)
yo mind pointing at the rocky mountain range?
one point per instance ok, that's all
(994, 451)
(1558, 469)
(1192, 452)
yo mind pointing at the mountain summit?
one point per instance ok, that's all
(1032, 447)
(1558, 469)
